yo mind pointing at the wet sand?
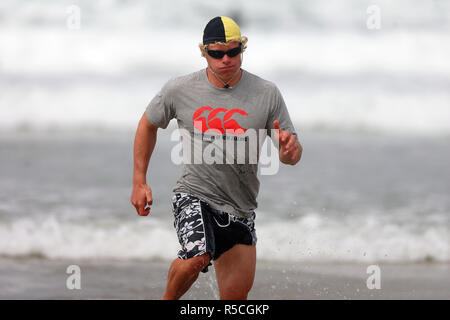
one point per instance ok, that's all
(35, 278)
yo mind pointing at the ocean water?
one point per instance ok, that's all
(372, 108)
(352, 199)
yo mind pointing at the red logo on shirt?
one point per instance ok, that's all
(218, 123)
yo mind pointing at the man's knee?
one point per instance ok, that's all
(235, 287)
(235, 291)
(193, 266)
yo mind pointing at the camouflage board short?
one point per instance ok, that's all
(202, 229)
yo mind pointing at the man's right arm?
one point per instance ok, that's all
(144, 144)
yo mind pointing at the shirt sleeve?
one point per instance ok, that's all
(278, 111)
(161, 110)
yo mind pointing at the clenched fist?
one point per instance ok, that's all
(140, 197)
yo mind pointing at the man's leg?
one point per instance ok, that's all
(235, 272)
(182, 274)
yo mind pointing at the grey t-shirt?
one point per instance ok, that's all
(224, 129)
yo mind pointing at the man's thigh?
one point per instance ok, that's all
(235, 271)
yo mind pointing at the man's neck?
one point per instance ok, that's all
(231, 81)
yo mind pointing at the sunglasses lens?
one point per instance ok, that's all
(216, 53)
(234, 52)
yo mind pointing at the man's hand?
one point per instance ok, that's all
(140, 197)
(290, 150)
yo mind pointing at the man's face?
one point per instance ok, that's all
(226, 66)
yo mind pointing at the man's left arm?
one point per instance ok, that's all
(289, 148)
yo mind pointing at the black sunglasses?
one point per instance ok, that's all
(219, 54)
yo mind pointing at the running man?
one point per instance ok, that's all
(214, 203)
